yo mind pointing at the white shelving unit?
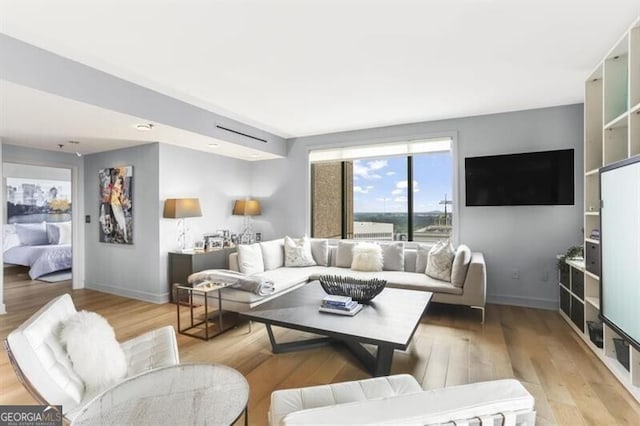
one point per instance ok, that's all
(612, 133)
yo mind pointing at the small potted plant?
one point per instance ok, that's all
(572, 253)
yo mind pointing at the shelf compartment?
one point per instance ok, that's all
(593, 301)
(634, 133)
(591, 222)
(635, 367)
(616, 81)
(593, 121)
(634, 66)
(591, 240)
(592, 192)
(616, 141)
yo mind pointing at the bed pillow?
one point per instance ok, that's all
(64, 232)
(440, 261)
(53, 233)
(367, 257)
(32, 234)
(10, 238)
(297, 253)
(93, 349)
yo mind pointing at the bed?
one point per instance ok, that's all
(43, 255)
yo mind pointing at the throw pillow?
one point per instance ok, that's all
(393, 256)
(440, 260)
(93, 349)
(460, 265)
(64, 232)
(320, 251)
(344, 254)
(272, 254)
(32, 234)
(297, 253)
(250, 259)
(422, 256)
(367, 257)
(53, 233)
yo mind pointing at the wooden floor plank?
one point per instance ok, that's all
(569, 383)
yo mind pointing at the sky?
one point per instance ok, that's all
(380, 184)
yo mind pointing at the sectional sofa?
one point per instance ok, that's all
(403, 267)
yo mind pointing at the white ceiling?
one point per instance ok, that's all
(302, 67)
(42, 120)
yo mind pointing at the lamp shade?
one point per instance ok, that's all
(178, 208)
(247, 208)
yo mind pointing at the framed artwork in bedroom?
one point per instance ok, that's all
(116, 205)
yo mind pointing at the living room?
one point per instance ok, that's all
(99, 100)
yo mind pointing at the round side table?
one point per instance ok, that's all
(192, 394)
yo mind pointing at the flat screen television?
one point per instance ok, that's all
(529, 179)
(620, 248)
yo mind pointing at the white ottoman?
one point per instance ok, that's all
(400, 400)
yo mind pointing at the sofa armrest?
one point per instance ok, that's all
(154, 349)
(233, 262)
(507, 398)
(475, 283)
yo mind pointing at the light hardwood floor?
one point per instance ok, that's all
(450, 347)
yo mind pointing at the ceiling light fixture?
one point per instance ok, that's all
(76, 143)
(213, 145)
(144, 127)
(255, 155)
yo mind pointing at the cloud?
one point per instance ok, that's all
(402, 199)
(397, 191)
(365, 170)
(390, 173)
(403, 184)
(416, 189)
(361, 190)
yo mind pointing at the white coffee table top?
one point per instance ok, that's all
(209, 394)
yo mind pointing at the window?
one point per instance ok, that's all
(383, 192)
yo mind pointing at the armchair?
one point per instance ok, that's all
(43, 367)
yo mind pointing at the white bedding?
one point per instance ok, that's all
(42, 259)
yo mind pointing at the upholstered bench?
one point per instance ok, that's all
(399, 399)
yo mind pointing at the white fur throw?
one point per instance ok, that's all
(367, 257)
(94, 351)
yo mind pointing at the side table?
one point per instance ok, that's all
(203, 322)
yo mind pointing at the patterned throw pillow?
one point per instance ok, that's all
(297, 253)
(440, 260)
(367, 257)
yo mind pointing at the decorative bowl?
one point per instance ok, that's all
(362, 291)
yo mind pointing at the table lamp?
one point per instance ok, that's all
(182, 208)
(247, 208)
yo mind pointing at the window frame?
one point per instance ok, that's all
(455, 181)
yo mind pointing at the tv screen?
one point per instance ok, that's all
(529, 179)
(620, 248)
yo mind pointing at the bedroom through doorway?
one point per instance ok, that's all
(37, 233)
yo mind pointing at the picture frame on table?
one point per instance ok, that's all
(214, 242)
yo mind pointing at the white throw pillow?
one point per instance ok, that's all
(440, 261)
(94, 351)
(367, 257)
(460, 265)
(297, 253)
(250, 259)
(393, 256)
(422, 256)
(344, 254)
(272, 254)
(64, 232)
(320, 251)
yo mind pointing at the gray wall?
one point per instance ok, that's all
(127, 270)
(215, 180)
(523, 238)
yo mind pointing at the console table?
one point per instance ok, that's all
(181, 265)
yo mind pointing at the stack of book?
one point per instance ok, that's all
(341, 305)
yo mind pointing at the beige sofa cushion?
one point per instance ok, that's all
(250, 259)
(272, 254)
(460, 265)
(320, 251)
(393, 256)
(422, 256)
(344, 254)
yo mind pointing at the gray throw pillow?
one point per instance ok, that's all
(344, 254)
(460, 265)
(320, 251)
(393, 256)
(422, 256)
(32, 234)
(440, 261)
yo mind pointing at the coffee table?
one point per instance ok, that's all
(388, 322)
(211, 394)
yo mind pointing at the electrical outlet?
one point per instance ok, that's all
(515, 274)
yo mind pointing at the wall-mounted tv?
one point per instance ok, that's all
(529, 179)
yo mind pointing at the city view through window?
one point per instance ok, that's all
(376, 199)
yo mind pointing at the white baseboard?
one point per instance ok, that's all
(132, 294)
(527, 302)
